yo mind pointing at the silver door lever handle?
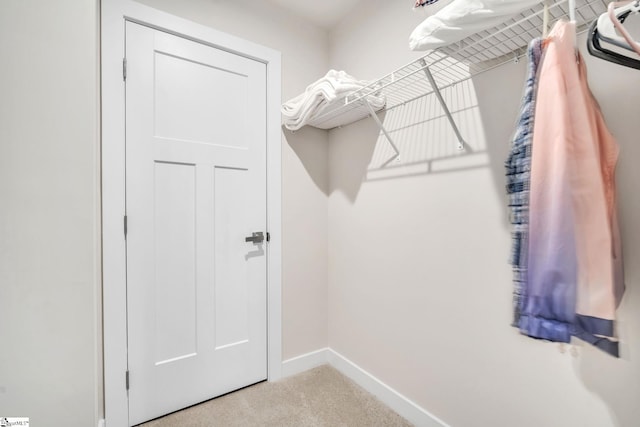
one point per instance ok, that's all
(256, 237)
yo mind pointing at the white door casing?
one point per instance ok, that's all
(195, 188)
(113, 17)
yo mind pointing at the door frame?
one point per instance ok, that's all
(114, 14)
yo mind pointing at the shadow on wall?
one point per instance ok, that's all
(617, 381)
(310, 145)
(353, 145)
(426, 139)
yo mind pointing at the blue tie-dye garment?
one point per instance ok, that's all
(518, 169)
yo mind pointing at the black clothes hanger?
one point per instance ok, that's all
(595, 49)
(423, 3)
(612, 41)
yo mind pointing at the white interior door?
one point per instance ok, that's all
(195, 188)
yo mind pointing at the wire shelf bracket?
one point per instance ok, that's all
(449, 65)
(375, 118)
(443, 104)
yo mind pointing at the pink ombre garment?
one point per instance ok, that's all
(575, 261)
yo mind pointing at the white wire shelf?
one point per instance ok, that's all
(458, 62)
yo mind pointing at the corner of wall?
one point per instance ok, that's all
(389, 396)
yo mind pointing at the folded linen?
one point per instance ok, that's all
(320, 96)
(463, 18)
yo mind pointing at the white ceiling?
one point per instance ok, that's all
(325, 13)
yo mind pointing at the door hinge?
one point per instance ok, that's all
(124, 69)
(126, 226)
(126, 378)
(268, 236)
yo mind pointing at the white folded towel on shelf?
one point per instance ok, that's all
(463, 18)
(322, 95)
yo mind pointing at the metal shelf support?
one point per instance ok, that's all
(374, 116)
(443, 104)
(453, 64)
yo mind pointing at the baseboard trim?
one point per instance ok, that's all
(304, 362)
(101, 423)
(390, 397)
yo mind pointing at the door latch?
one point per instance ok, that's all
(256, 237)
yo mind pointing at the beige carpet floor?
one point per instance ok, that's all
(319, 397)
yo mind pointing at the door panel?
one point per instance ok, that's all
(184, 109)
(175, 266)
(196, 172)
(231, 308)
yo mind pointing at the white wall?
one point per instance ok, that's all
(50, 365)
(304, 160)
(419, 285)
(50, 357)
(419, 290)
